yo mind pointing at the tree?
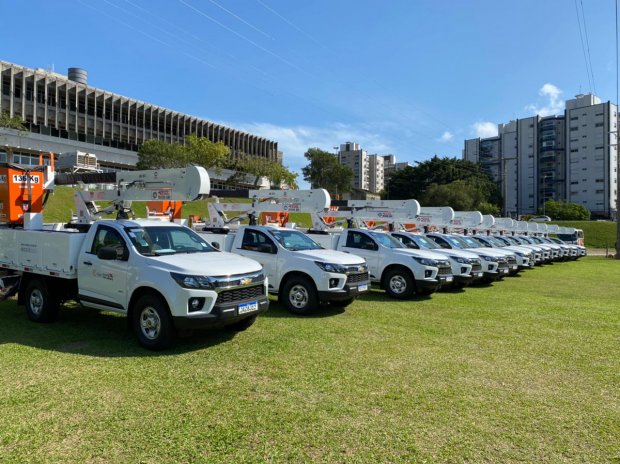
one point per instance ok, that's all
(429, 180)
(324, 171)
(205, 153)
(565, 211)
(15, 122)
(156, 154)
(263, 167)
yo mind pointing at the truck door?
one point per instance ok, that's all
(361, 244)
(103, 283)
(257, 245)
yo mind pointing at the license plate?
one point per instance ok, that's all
(362, 288)
(449, 279)
(479, 274)
(248, 307)
(504, 271)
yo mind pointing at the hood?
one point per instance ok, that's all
(456, 252)
(428, 254)
(210, 264)
(492, 252)
(330, 256)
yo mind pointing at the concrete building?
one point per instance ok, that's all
(65, 114)
(370, 172)
(351, 155)
(568, 157)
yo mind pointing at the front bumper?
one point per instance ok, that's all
(220, 315)
(428, 285)
(347, 292)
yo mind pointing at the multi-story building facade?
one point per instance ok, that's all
(370, 172)
(65, 114)
(570, 157)
(351, 155)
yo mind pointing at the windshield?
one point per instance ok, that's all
(470, 241)
(424, 242)
(157, 241)
(386, 240)
(483, 242)
(294, 240)
(455, 242)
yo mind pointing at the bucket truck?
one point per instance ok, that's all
(301, 272)
(162, 276)
(400, 271)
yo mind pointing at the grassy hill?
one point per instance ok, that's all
(597, 234)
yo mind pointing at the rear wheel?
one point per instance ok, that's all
(398, 283)
(41, 304)
(152, 323)
(300, 296)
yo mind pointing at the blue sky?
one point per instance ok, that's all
(407, 77)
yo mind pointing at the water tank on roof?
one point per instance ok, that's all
(78, 75)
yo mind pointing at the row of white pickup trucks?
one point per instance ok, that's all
(166, 277)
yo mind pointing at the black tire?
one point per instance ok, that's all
(152, 323)
(242, 325)
(41, 304)
(398, 283)
(300, 296)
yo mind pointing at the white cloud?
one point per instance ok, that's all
(447, 136)
(554, 105)
(294, 141)
(484, 129)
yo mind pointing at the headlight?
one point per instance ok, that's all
(461, 260)
(518, 253)
(192, 281)
(332, 267)
(425, 261)
(489, 258)
(475, 261)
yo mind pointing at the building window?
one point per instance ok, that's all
(599, 124)
(574, 129)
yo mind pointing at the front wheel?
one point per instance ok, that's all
(152, 323)
(41, 304)
(300, 296)
(398, 284)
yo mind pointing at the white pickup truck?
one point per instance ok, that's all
(300, 271)
(163, 276)
(401, 271)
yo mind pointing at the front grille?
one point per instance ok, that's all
(356, 278)
(445, 270)
(240, 294)
(476, 268)
(512, 260)
(503, 264)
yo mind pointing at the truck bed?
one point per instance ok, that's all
(46, 252)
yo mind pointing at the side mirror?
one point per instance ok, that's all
(107, 253)
(215, 245)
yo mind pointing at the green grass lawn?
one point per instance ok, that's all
(525, 370)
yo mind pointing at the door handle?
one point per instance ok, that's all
(88, 263)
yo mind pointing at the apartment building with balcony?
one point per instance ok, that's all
(570, 157)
